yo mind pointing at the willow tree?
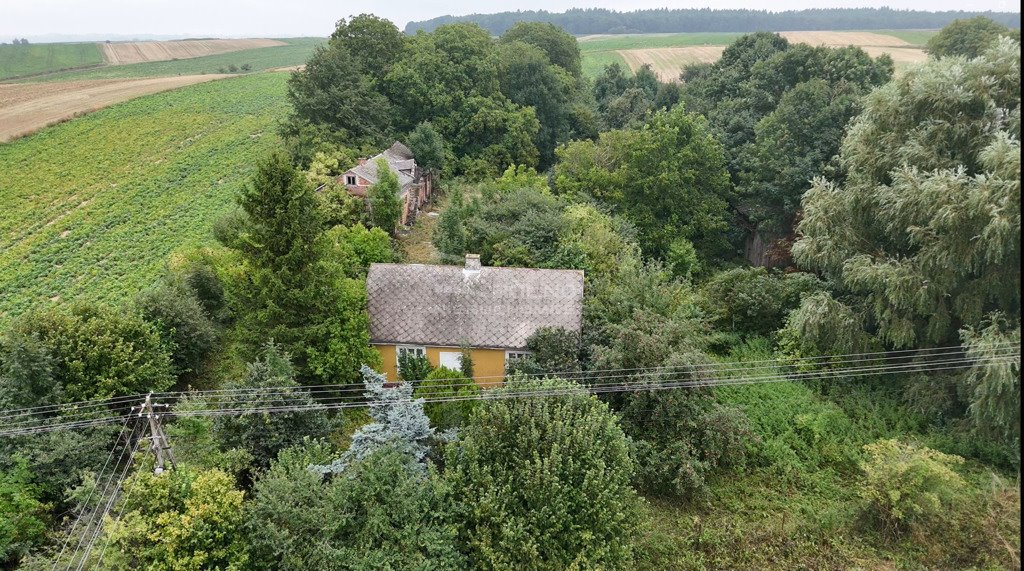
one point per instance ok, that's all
(923, 237)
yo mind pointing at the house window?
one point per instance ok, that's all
(411, 350)
(511, 356)
(350, 179)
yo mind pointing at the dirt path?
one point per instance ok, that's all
(28, 107)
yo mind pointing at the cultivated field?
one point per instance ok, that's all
(837, 39)
(291, 52)
(28, 107)
(668, 54)
(32, 59)
(122, 53)
(668, 62)
(93, 207)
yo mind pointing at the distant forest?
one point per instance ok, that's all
(664, 20)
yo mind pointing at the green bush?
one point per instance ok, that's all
(443, 382)
(100, 351)
(382, 512)
(413, 367)
(544, 483)
(754, 301)
(196, 514)
(173, 307)
(907, 485)
(22, 516)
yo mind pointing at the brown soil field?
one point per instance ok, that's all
(121, 53)
(668, 62)
(28, 107)
(843, 39)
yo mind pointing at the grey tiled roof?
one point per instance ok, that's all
(421, 304)
(398, 157)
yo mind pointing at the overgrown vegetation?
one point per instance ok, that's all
(763, 427)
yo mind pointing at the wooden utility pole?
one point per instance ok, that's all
(159, 445)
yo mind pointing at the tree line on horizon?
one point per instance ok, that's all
(580, 21)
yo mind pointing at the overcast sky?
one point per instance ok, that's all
(97, 19)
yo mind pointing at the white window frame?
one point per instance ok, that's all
(419, 350)
(515, 356)
(443, 354)
(353, 178)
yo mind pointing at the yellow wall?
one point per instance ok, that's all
(488, 364)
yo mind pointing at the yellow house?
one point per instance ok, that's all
(434, 311)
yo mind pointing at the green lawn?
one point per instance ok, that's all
(94, 206)
(20, 60)
(296, 52)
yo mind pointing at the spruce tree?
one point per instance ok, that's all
(289, 289)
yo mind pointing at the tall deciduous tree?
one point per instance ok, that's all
(925, 231)
(82, 352)
(968, 38)
(427, 147)
(667, 178)
(529, 79)
(375, 42)
(558, 45)
(335, 92)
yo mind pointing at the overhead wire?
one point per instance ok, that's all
(231, 400)
(81, 407)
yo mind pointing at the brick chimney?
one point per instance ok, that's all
(472, 265)
(362, 161)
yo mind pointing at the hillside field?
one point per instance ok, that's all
(123, 53)
(669, 53)
(93, 207)
(23, 60)
(294, 51)
(28, 107)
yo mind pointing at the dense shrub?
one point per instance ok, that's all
(683, 438)
(754, 301)
(99, 351)
(553, 351)
(270, 382)
(544, 483)
(907, 485)
(381, 512)
(444, 383)
(22, 516)
(413, 367)
(173, 307)
(197, 515)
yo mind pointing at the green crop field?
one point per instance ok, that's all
(916, 38)
(296, 52)
(94, 206)
(20, 60)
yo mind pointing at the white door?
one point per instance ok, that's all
(452, 360)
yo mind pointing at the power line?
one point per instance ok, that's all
(88, 499)
(83, 408)
(602, 380)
